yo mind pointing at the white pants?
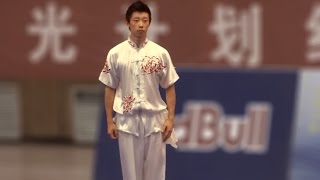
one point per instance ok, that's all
(142, 158)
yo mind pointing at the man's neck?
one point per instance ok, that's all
(138, 41)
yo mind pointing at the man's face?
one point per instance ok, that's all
(139, 24)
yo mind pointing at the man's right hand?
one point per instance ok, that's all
(112, 130)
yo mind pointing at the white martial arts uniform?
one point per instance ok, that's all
(136, 73)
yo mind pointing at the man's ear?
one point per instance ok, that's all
(128, 25)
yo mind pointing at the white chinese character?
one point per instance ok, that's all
(313, 26)
(156, 28)
(51, 25)
(238, 37)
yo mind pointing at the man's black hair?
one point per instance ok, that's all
(137, 6)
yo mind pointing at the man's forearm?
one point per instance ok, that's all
(109, 100)
(171, 101)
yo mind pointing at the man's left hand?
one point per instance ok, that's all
(167, 129)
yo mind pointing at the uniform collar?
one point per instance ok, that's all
(134, 45)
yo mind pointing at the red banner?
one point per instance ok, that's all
(70, 39)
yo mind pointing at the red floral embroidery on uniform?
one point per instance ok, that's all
(127, 103)
(152, 64)
(106, 68)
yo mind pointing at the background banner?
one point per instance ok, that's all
(70, 39)
(231, 125)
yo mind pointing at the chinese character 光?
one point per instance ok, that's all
(51, 25)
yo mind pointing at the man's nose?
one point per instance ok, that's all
(140, 24)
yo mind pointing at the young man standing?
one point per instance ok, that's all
(143, 123)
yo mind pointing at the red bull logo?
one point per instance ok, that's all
(203, 127)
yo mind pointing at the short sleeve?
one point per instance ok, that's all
(108, 75)
(169, 75)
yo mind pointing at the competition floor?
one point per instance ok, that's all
(46, 162)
